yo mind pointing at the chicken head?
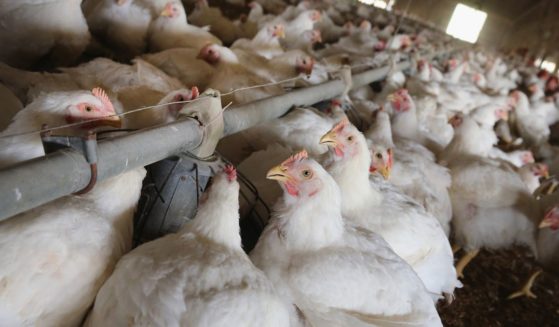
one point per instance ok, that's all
(400, 101)
(297, 176)
(95, 108)
(551, 219)
(343, 139)
(210, 53)
(382, 161)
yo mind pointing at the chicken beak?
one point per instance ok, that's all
(545, 224)
(280, 32)
(278, 173)
(113, 121)
(385, 172)
(166, 12)
(391, 97)
(329, 139)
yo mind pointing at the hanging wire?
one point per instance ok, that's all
(132, 111)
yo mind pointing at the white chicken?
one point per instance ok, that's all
(532, 128)
(415, 235)
(414, 174)
(54, 109)
(265, 43)
(220, 26)
(199, 276)
(308, 251)
(54, 258)
(231, 75)
(183, 64)
(111, 75)
(120, 24)
(548, 238)
(57, 29)
(170, 30)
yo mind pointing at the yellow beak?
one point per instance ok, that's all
(113, 121)
(166, 12)
(385, 171)
(280, 33)
(391, 97)
(278, 173)
(545, 224)
(329, 139)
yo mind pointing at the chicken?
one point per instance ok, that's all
(469, 139)
(291, 131)
(265, 43)
(294, 28)
(120, 24)
(170, 30)
(199, 276)
(492, 207)
(415, 235)
(183, 64)
(231, 75)
(531, 174)
(548, 239)
(308, 251)
(57, 28)
(405, 121)
(220, 26)
(56, 257)
(532, 128)
(415, 175)
(488, 198)
(54, 109)
(113, 76)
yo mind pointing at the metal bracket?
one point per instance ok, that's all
(87, 146)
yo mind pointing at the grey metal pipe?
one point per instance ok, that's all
(38, 181)
(247, 115)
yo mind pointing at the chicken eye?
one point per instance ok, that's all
(307, 173)
(379, 155)
(88, 108)
(350, 138)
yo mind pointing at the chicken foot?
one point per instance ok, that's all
(456, 248)
(464, 261)
(526, 289)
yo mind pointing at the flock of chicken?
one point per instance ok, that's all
(361, 217)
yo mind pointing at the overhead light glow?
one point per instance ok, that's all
(377, 3)
(466, 23)
(549, 66)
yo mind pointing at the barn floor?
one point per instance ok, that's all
(489, 279)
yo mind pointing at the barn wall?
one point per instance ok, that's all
(535, 29)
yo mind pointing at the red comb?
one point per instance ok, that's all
(101, 95)
(301, 155)
(336, 102)
(402, 92)
(231, 172)
(341, 125)
(194, 93)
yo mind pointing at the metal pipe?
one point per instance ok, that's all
(33, 183)
(247, 115)
(44, 179)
